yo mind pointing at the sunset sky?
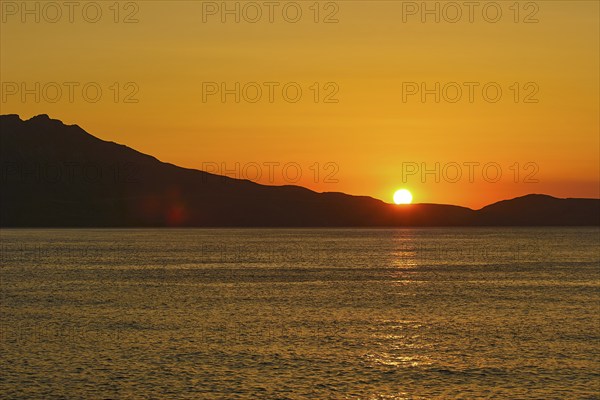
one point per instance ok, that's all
(369, 62)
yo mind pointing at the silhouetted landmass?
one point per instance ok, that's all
(55, 175)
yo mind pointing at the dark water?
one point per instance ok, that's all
(370, 314)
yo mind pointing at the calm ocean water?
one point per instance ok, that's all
(325, 314)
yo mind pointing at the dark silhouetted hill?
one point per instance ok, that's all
(540, 210)
(55, 175)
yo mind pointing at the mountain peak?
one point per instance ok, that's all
(44, 119)
(40, 117)
(10, 118)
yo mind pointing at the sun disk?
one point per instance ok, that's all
(402, 196)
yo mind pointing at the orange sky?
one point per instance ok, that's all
(374, 58)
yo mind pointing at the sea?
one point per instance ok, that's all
(435, 313)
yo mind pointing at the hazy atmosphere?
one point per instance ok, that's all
(462, 104)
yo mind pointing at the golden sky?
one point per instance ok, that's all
(367, 129)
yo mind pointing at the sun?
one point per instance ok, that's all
(402, 196)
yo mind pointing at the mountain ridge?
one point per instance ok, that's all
(57, 175)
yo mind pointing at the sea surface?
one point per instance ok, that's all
(500, 313)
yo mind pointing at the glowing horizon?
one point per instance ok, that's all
(397, 103)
